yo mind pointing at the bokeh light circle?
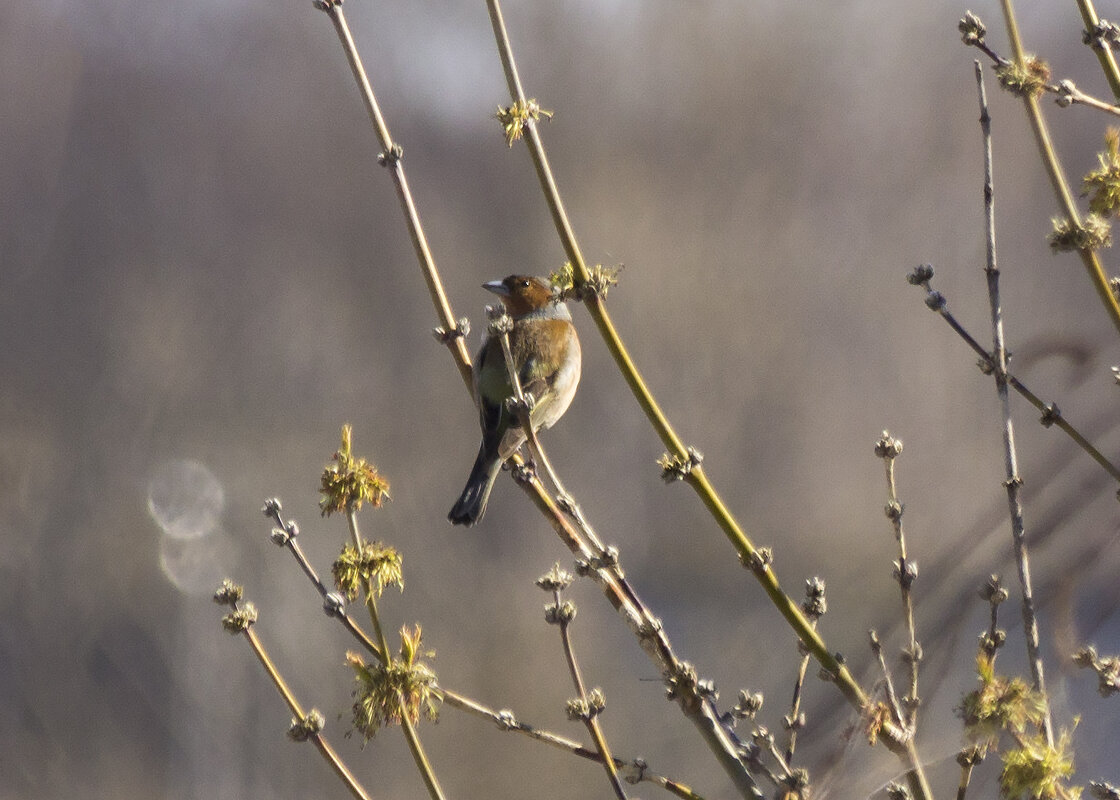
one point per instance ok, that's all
(185, 499)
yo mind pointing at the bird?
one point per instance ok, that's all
(547, 357)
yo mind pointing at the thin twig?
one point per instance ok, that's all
(588, 712)
(333, 602)
(794, 720)
(999, 363)
(316, 736)
(391, 158)
(635, 770)
(906, 571)
(371, 599)
(993, 639)
(1067, 92)
(1051, 415)
(320, 741)
(814, 606)
(888, 681)
(777, 755)
(427, 773)
(990, 643)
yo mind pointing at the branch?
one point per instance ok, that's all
(305, 725)
(749, 554)
(999, 362)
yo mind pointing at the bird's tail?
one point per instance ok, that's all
(471, 505)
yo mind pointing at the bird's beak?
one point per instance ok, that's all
(497, 287)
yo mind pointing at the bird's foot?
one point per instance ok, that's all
(525, 403)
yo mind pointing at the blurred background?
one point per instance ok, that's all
(204, 274)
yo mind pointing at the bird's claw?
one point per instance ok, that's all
(525, 403)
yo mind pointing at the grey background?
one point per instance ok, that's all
(204, 273)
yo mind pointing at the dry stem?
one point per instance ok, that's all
(591, 717)
(999, 363)
(320, 741)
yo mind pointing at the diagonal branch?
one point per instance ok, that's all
(1088, 254)
(391, 158)
(749, 554)
(1100, 44)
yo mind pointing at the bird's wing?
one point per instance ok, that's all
(491, 386)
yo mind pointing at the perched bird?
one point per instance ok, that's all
(547, 356)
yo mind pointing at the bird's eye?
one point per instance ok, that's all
(525, 284)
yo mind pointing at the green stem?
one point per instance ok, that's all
(411, 736)
(748, 554)
(1054, 171)
(321, 744)
(1104, 51)
(421, 759)
(367, 586)
(572, 250)
(696, 478)
(391, 159)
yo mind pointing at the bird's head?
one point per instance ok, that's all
(522, 294)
